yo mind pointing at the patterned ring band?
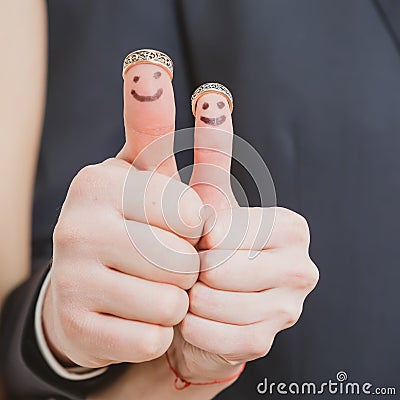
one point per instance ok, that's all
(212, 87)
(148, 56)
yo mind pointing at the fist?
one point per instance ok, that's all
(124, 251)
(241, 302)
(255, 270)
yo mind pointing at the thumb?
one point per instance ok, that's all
(149, 112)
(213, 137)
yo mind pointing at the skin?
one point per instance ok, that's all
(22, 94)
(108, 314)
(146, 98)
(23, 88)
(214, 121)
(247, 301)
(93, 313)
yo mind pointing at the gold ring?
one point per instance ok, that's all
(148, 56)
(211, 87)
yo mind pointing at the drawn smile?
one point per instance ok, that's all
(214, 121)
(141, 98)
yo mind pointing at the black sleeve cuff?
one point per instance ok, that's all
(25, 372)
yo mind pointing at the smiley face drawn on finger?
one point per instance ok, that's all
(147, 98)
(213, 121)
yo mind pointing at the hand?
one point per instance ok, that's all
(107, 301)
(239, 303)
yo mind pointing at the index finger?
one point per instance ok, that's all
(213, 136)
(149, 112)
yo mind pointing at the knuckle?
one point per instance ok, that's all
(66, 233)
(71, 232)
(289, 313)
(174, 306)
(264, 350)
(304, 276)
(258, 346)
(313, 276)
(156, 128)
(296, 226)
(94, 182)
(261, 350)
(92, 231)
(113, 162)
(156, 342)
(85, 179)
(186, 281)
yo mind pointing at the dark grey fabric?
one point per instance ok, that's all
(317, 93)
(25, 372)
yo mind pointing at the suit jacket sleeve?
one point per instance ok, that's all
(25, 372)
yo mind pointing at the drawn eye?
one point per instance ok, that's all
(157, 74)
(136, 78)
(221, 104)
(205, 105)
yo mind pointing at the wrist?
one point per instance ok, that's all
(212, 371)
